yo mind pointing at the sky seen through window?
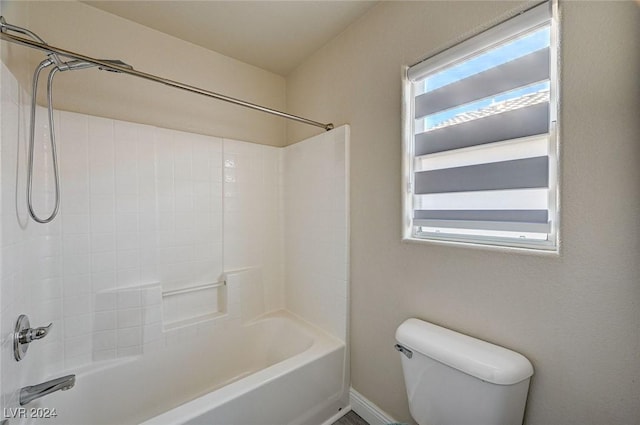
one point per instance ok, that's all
(529, 43)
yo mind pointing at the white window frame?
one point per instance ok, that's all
(529, 18)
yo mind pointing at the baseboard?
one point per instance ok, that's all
(367, 410)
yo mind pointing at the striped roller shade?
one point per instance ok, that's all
(481, 135)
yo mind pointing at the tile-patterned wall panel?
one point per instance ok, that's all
(316, 229)
(253, 215)
(144, 206)
(31, 258)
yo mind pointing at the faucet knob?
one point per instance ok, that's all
(43, 331)
(24, 335)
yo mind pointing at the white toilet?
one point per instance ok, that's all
(454, 379)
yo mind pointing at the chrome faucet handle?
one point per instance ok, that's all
(24, 335)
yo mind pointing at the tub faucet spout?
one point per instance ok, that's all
(33, 392)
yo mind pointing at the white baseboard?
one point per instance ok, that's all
(367, 410)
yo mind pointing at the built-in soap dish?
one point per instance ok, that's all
(193, 304)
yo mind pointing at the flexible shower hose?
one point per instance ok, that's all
(52, 139)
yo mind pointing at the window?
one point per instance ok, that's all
(480, 163)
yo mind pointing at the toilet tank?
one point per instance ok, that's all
(454, 379)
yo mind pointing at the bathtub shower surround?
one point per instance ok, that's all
(316, 232)
(165, 239)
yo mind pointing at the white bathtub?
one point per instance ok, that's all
(278, 370)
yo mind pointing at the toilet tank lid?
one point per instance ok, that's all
(472, 356)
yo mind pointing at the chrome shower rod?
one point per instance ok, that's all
(125, 70)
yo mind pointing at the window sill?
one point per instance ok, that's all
(543, 252)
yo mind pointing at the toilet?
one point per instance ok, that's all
(454, 379)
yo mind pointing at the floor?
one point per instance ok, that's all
(351, 418)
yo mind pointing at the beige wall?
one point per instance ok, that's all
(78, 27)
(576, 316)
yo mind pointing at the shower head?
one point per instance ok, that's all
(73, 65)
(78, 64)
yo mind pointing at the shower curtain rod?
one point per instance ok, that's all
(113, 67)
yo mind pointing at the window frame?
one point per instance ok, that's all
(525, 20)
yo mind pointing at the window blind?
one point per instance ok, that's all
(481, 148)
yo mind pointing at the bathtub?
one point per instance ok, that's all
(278, 370)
